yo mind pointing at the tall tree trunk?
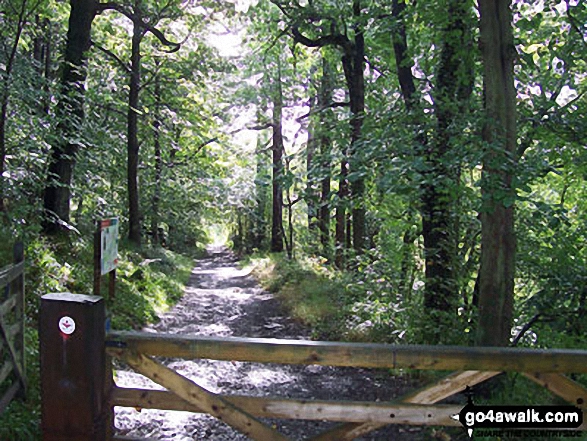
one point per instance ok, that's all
(42, 56)
(158, 162)
(47, 53)
(312, 171)
(340, 215)
(324, 141)
(277, 177)
(454, 83)
(411, 100)
(496, 273)
(436, 206)
(353, 64)
(403, 64)
(261, 182)
(69, 115)
(134, 230)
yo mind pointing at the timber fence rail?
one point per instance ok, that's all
(12, 346)
(473, 365)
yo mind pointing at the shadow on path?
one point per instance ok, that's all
(223, 300)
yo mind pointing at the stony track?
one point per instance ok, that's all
(223, 300)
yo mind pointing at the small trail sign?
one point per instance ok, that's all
(67, 325)
(106, 254)
(109, 245)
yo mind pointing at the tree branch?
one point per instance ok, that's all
(323, 108)
(326, 40)
(574, 24)
(112, 55)
(137, 18)
(257, 127)
(193, 155)
(157, 33)
(525, 329)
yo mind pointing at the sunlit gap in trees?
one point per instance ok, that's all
(243, 120)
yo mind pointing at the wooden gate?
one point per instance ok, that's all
(12, 363)
(473, 366)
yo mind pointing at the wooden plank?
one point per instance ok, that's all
(448, 386)
(195, 394)
(13, 330)
(8, 305)
(8, 396)
(131, 438)
(317, 410)
(5, 370)
(10, 272)
(15, 355)
(562, 386)
(352, 354)
(18, 289)
(431, 394)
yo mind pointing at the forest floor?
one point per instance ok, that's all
(223, 300)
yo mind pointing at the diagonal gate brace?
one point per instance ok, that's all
(431, 394)
(18, 368)
(201, 397)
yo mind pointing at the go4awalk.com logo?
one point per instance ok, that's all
(519, 417)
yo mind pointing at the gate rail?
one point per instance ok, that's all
(474, 365)
(12, 348)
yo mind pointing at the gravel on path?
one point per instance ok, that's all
(223, 300)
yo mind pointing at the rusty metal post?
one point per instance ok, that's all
(75, 378)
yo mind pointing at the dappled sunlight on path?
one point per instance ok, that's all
(223, 300)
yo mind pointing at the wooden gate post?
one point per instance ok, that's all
(75, 384)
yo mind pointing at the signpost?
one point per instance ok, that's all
(106, 254)
(109, 245)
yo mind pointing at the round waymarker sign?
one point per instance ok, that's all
(66, 325)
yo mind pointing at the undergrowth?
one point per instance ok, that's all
(307, 289)
(336, 305)
(148, 282)
(361, 307)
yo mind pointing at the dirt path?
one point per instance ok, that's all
(222, 300)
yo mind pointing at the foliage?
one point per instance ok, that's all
(21, 421)
(149, 281)
(205, 167)
(386, 284)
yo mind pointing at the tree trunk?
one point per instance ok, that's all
(42, 57)
(5, 93)
(158, 162)
(261, 182)
(454, 83)
(312, 170)
(496, 273)
(134, 230)
(436, 206)
(69, 115)
(340, 216)
(47, 53)
(324, 141)
(353, 65)
(277, 178)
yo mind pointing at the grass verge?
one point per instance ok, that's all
(149, 281)
(338, 306)
(309, 290)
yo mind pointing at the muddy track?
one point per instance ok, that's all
(223, 300)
